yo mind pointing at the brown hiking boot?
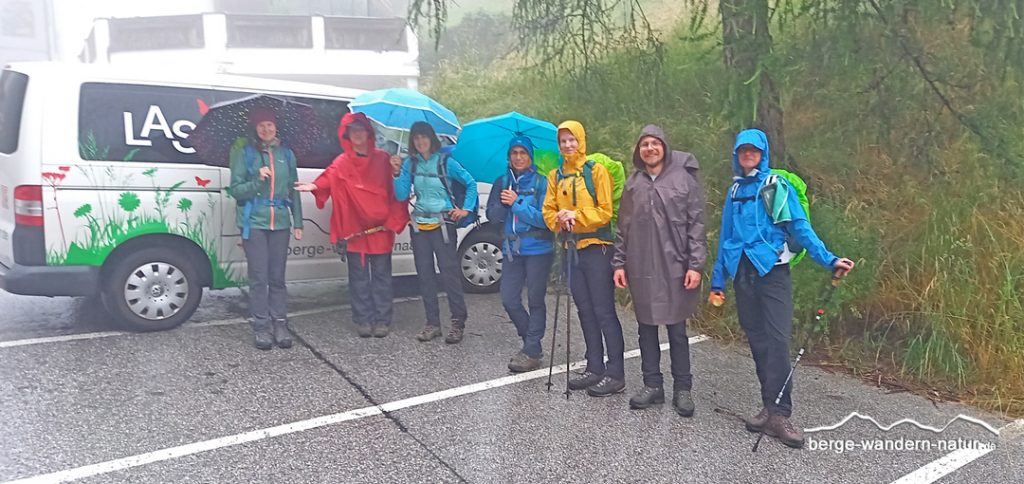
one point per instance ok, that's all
(454, 335)
(521, 363)
(782, 428)
(429, 333)
(756, 423)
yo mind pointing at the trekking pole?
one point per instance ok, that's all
(818, 325)
(554, 330)
(571, 256)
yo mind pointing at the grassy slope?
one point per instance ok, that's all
(935, 222)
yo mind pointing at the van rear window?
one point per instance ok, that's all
(151, 124)
(12, 101)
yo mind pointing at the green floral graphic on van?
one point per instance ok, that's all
(106, 228)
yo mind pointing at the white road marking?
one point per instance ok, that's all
(201, 324)
(951, 462)
(300, 426)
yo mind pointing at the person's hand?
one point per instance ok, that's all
(508, 197)
(298, 234)
(396, 164)
(566, 215)
(457, 214)
(264, 172)
(716, 298)
(692, 279)
(304, 187)
(842, 267)
(620, 278)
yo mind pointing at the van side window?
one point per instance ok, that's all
(12, 100)
(151, 124)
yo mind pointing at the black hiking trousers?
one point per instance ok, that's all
(765, 309)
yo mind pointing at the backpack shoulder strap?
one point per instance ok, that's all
(442, 174)
(588, 179)
(249, 153)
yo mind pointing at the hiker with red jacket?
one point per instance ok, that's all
(364, 220)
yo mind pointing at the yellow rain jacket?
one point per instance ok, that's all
(591, 215)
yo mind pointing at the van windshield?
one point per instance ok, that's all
(12, 100)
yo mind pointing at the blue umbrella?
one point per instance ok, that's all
(399, 108)
(482, 147)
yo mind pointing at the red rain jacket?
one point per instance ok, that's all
(362, 195)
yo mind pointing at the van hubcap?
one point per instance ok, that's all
(157, 290)
(481, 264)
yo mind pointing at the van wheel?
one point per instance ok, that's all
(152, 289)
(480, 261)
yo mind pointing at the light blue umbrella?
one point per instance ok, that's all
(482, 147)
(399, 108)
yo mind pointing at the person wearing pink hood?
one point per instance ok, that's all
(365, 218)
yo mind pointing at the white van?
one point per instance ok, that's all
(101, 193)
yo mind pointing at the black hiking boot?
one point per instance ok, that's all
(647, 397)
(682, 401)
(264, 340)
(607, 387)
(782, 428)
(364, 330)
(756, 423)
(381, 330)
(521, 363)
(584, 380)
(282, 336)
(429, 333)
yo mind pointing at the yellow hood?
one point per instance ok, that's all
(575, 161)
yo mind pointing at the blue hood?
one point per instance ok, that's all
(758, 139)
(523, 141)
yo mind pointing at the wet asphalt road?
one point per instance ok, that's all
(205, 393)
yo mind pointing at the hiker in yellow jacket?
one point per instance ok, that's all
(583, 224)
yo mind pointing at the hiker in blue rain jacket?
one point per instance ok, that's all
(753, 251)
(435, 215)
(516, 202)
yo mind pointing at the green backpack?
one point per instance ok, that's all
(784, 180)
(798, 184)
(618, 174)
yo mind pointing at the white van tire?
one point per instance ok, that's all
(480, 261)
(152, 289)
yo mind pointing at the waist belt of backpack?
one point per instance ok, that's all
(603, 233)
(513, 242)
(263, 202)
(443, 216)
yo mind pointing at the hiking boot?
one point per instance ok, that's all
(607, 387)
(782, 428)
(522, 362)
(282, 336)
(584, 380)
(264, 340)
(454, 335)
(364, 330)
(756, 423)
(381, 330)
(429, 333)
(683, 403)
(647, 397)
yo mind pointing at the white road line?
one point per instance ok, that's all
(300, 426)
(951, 462)
(201, 324)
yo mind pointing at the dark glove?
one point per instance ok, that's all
(342, 246)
